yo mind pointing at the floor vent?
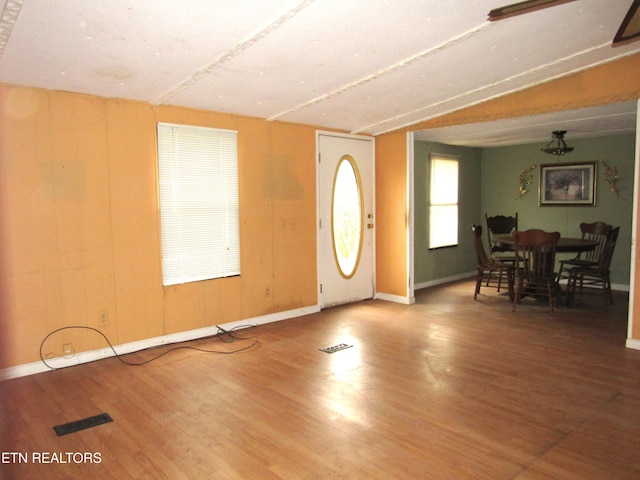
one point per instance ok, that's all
(335, 348)
(82, 424)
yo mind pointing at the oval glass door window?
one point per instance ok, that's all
(346, 216)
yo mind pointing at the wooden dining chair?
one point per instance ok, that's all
(596, 231)
(598, 275)
(535, 256)
(500, 226)
(490, 272)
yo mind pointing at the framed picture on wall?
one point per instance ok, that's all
(567, 184)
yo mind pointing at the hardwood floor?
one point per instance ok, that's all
(448, 388)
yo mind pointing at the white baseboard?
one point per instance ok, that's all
(633, 343)
(395, 298)
(618, 287)
(440, 281)
(411, 300)
(90, 356)
(93, 355)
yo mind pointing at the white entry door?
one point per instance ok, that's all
(346, 219)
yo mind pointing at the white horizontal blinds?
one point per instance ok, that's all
(443, 202)
(199, 214)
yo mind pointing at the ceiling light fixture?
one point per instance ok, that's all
(557, 145)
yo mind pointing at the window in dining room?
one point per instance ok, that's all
(443, 201)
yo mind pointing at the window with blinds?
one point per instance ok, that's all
(443, 202)
(199, 212)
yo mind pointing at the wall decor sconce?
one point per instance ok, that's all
(525, 179)
(611, 177)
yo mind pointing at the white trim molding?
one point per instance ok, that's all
(633, 343)
(123, 349)
(406, 300)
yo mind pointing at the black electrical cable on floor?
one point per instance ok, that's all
(220, 334)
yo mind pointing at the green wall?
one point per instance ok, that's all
(502, 166)
(432, 265)
(489, 183)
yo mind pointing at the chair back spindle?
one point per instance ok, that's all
(481, 254)
(596, 231)
(536, 253)
(500, 226)
(599, 274)
(604, 265)
(489, 271)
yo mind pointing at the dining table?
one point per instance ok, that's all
(564, 245)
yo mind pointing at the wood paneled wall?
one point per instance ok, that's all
(80, 223)
(392, 215)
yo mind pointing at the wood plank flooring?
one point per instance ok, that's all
(448, 388)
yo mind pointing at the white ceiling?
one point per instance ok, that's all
(614, 119)
(367, 66)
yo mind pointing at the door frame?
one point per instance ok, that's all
(373, 203)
